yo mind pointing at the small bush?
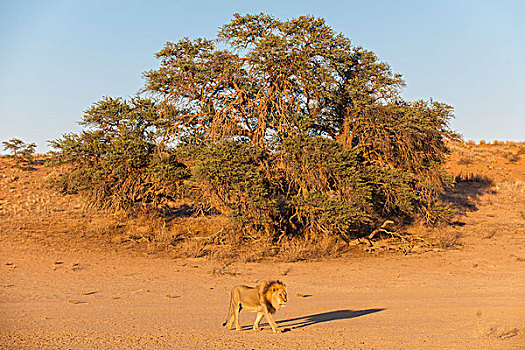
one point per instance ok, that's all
(511, 156)
(116, 162)
(21, 150)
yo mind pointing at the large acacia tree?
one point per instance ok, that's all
(290, 129)
(279, 85)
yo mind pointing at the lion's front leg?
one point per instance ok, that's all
(260, 315)
(269, 317)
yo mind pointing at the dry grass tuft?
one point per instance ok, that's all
(310, 248)
(501, 333)
(513, 186)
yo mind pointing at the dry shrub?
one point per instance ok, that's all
(289, 249)
(444, 236)
(102, 225)
(465, 161)
(256, 250)
(460, 148)
(520, 148)
(511, 156)
(191, 248)
(310, 248)
(184, 237)
(121, 226)
(508, 150)
(516, 186)
(445, 239)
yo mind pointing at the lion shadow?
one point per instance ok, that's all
(305, 321)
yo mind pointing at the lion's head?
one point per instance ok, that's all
(275, 294)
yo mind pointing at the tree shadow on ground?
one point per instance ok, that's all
(463, 197)
(305, 321)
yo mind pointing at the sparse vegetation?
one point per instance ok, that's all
(189, 231)
(21, 151)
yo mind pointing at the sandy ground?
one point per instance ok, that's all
(55, 295)
(464, 299)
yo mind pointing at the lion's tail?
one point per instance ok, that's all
(230, 311)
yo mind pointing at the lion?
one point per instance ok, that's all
(265, 299)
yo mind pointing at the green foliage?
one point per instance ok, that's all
(288, 129)
(21, 150)
(325, 186)
(230, 178)
(116, 162)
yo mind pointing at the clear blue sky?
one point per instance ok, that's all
(59, 57)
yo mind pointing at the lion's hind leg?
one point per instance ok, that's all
(230, 322)
(237, 309)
